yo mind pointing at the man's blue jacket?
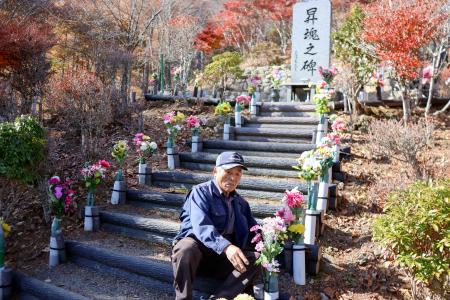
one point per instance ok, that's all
(204, 215)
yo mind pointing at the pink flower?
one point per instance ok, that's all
(138, 135)
(257, 238)
(427, 74)
(58, 191)
(335, 138)
(293, 198)
(286, 214)
(54, 180)
(192, 122)
(255, 228)
(322, 84)
(168, 116)
(259, 246)
(243, 99)
(338, 125)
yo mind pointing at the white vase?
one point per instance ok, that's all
(330, 175)
(53, 259)
(116, 192)
(253, 101)
(195, 142)
(170, 159)
(237, 119)
(320, 132)
(299, 264)
(322, 197)
(336, 149)
(310, 227)
(226, 131)
(91, 218)
(142, 173)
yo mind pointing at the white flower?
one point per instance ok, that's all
(177, 127)
(153, 145)
(144, 146)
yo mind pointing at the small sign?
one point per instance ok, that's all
(310, 40)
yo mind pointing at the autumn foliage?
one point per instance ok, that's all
(241, 24)
(399, 29)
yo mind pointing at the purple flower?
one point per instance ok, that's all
(58, 191)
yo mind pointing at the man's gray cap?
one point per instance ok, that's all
(228, 160)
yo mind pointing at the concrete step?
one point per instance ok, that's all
(276, 148)
(31, 288)
(172, 203)
(250, 161)
(287, 107)
(150, 273)
(274, 132)
(256, 153)
(289, 114)
(263, 139)
(283, 120)
(250, 186)
(281, 126)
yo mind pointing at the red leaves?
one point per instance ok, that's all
(399, 29)
(236, 23)
(20, 42)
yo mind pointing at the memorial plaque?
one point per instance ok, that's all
(310, 40)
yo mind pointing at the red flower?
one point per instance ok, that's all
(104, 163)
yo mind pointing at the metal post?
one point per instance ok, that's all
(162, 72)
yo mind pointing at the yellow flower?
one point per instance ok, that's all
(297, 228)
(243, 297)
(180, 117)
(6, 228)
(145, 138)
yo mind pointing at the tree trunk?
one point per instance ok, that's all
(406, 105)
(145, 76)
(124, 87)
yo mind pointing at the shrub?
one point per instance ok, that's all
(83, 103)
(415, 228)
(22, 148)
(393, 139)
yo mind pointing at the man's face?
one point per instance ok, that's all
(229, 179)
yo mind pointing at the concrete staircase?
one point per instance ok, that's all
(132, 250)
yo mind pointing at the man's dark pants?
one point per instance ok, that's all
(191, 257)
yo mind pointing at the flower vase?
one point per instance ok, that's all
(237, 116)
(322, 196)
(330, 175)
(119, 190)
(320, 133)
(271, 291)
(253, 102)
(91, 214)
(299, 267)
(336, 149)
(226, 129)
(195, 143)
(145, 173)
(275, 95)
(312, 215)
(57, 250)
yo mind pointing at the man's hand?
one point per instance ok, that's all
(237, 258)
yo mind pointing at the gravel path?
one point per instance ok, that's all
(94, 285)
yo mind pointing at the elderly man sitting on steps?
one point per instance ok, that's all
(215, 229)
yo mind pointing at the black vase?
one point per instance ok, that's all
(275, 95)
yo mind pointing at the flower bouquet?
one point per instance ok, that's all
(194, 124)
(339, 128)
(61, 197)
(119, 152)
(328, 74)
(324, 154)
(254, 83)
(6, 274)
(174, 123)
(93, 176)
(293, 215)
(276, 78)
(310, 168)
(145, 148)
(241, 101)
(224, 110)
(269, 239)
